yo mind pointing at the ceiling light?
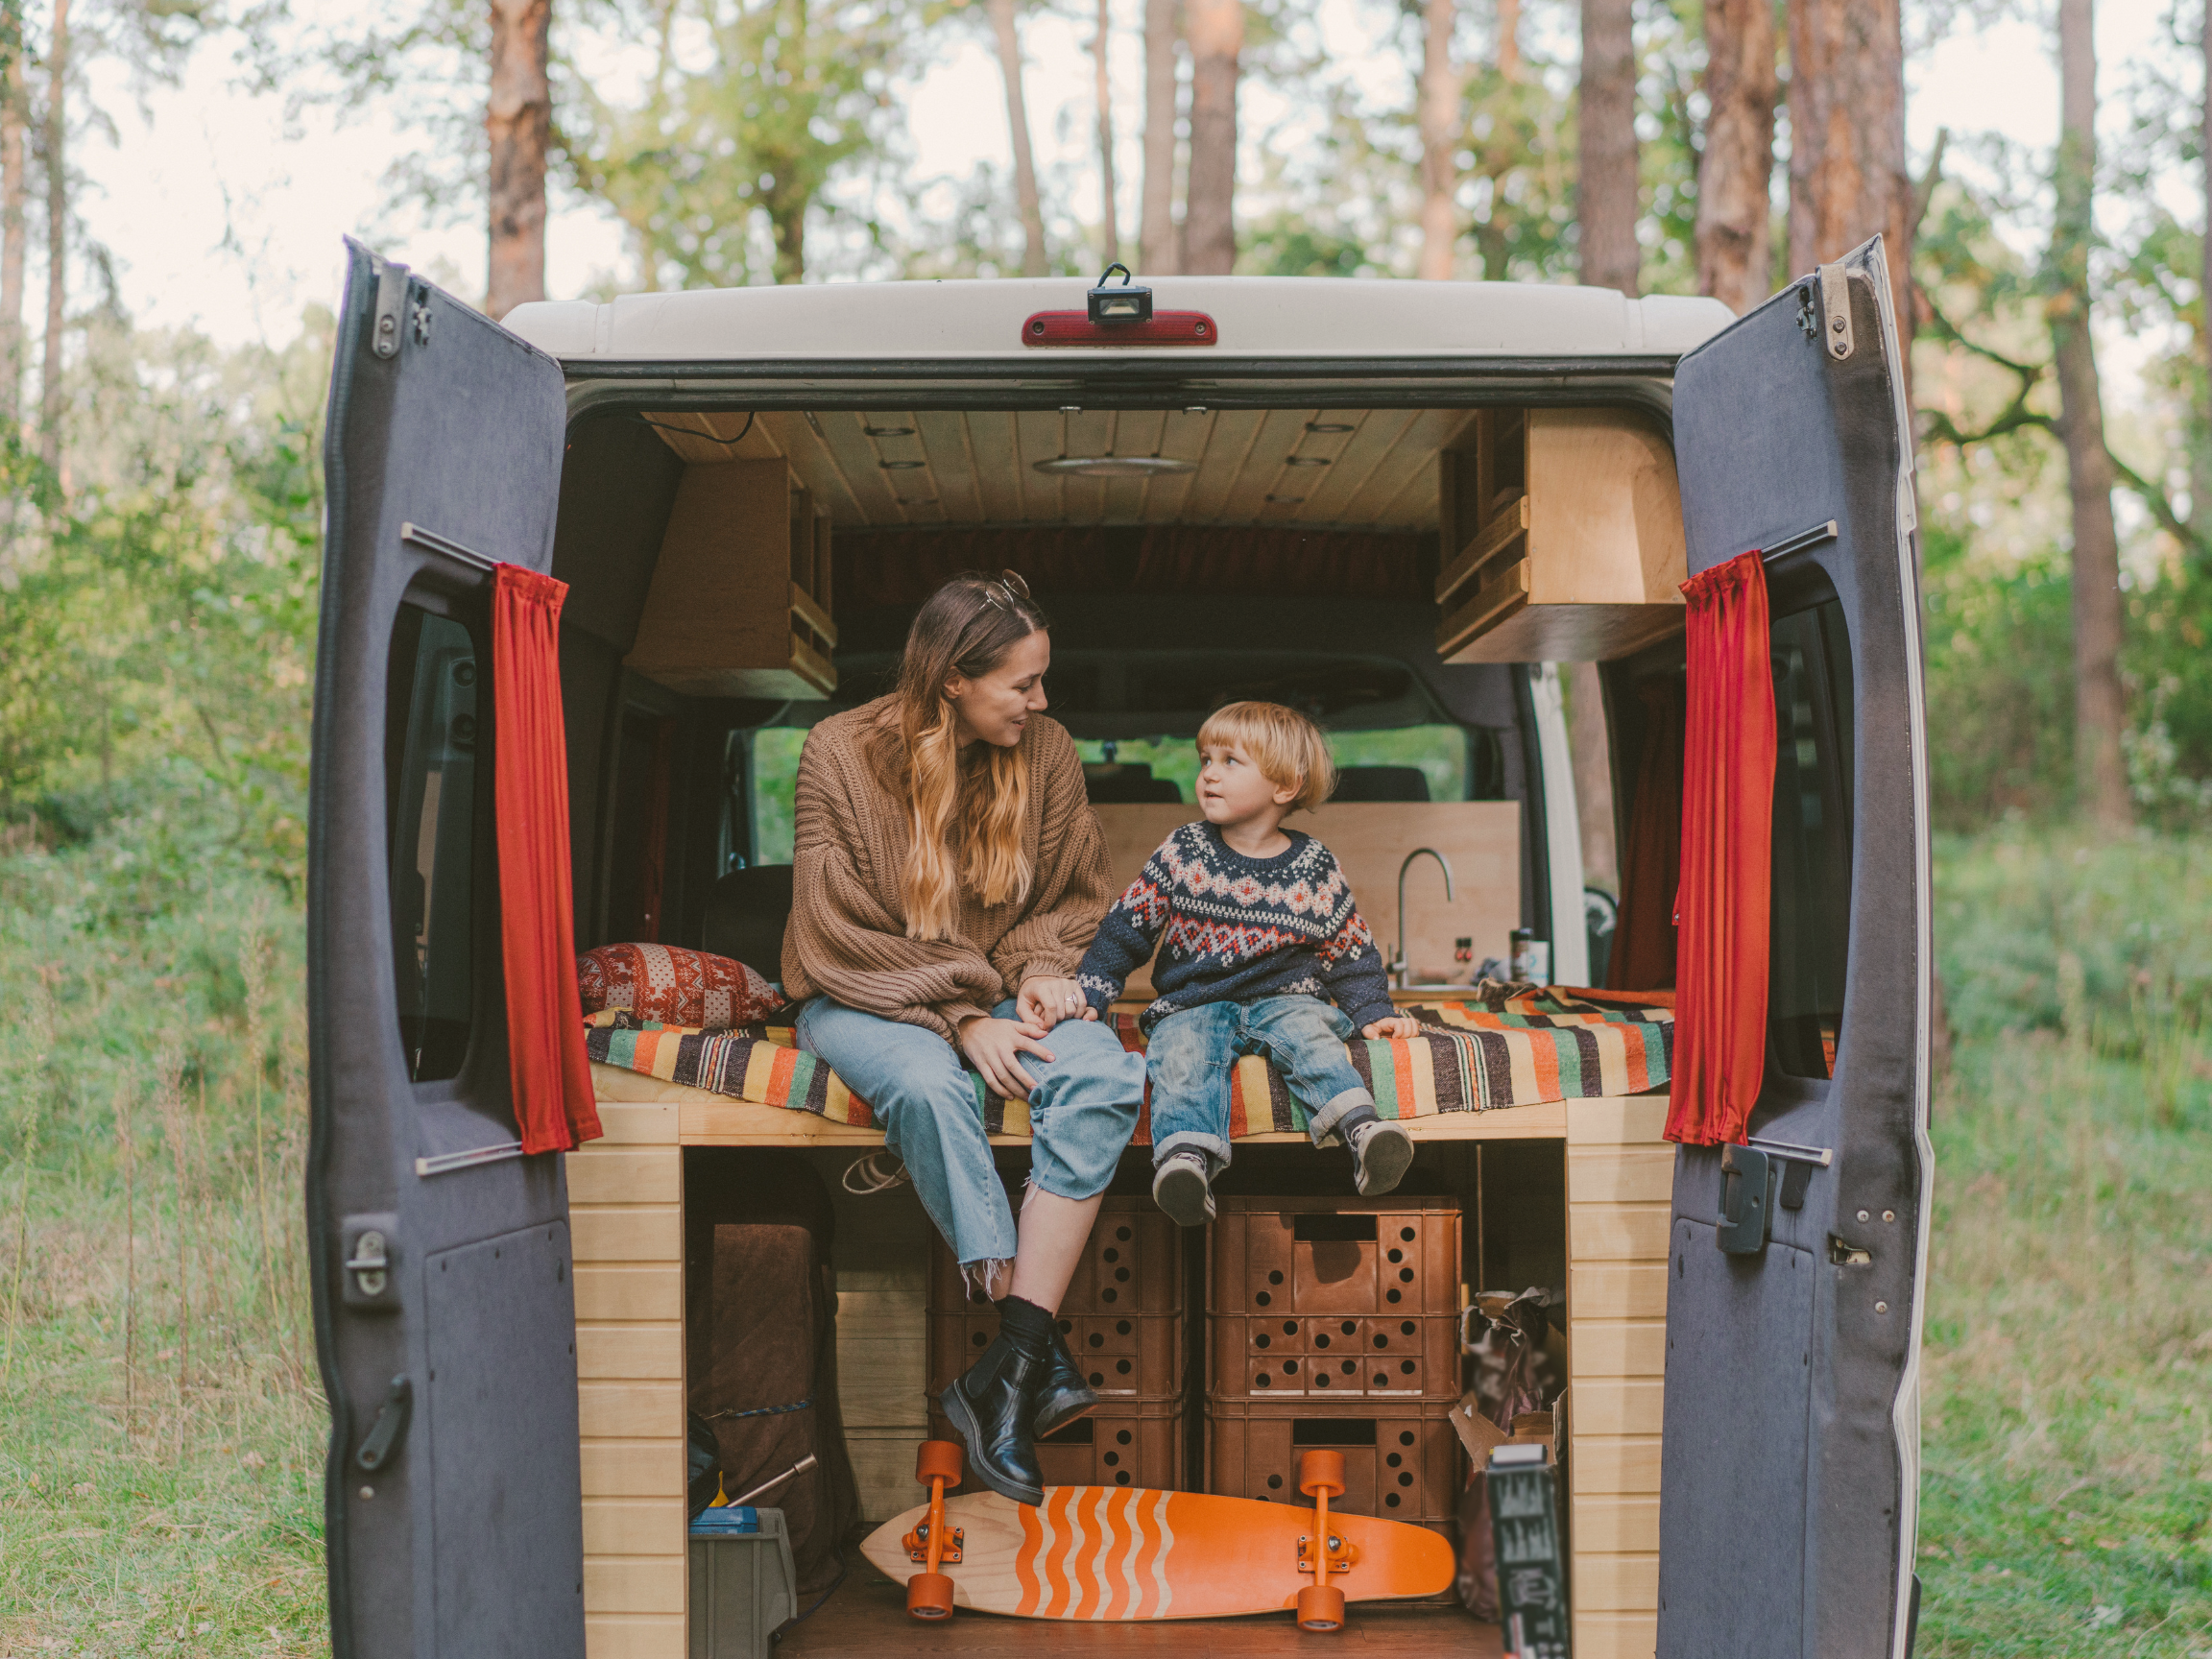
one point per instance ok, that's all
(1328, 426)
(1304, 460)
(889, 431)
(901, 465)
(1114, 465)
(931, 502)
(1287, 500)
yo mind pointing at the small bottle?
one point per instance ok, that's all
(1530, 963)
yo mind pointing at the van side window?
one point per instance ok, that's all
(430, 789)
(1812, 898)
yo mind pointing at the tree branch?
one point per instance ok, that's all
(2161, 509)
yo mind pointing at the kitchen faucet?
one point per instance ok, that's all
(1398, 969)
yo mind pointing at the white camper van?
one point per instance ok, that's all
(1400, 505)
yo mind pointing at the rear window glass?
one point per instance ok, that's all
(1812, 880)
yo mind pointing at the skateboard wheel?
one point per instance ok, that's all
(938, 1460)
(1321, 1470)
(1320, 1606)
(930, 1595)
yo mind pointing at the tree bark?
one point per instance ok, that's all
(1592, 752)
(1735, 258)
(14, 111)
(1442, 118)
(2100, 706)
(57, 240)
(2201, 503)
(1509, 40)
(1025, 195)
(1210, 198)
(1605, 194)
(517, 120)
(1109, 222)
(1156, 217)
(1847, 176)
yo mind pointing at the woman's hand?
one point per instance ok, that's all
(1397, 1025)
(1044, 1001)
(993, 1047)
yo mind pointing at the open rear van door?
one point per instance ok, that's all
(444, 1317)
(1790, 1462)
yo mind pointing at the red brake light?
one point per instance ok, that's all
(1161, 329)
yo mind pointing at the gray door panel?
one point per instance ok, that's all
(1778, 436)
(452, 1493)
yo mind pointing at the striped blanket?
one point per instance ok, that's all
(1500, 1045)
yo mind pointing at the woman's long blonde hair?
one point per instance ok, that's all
(965, 818)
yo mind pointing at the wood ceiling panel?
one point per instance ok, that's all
(953, 468)
(857, 459)
(1229, 438)
(1038, 435)
(1401, 492)
(993, 441)
(1265, 490)
(812, 461)
(1183, 437)
(1353, 457)
(703, 439)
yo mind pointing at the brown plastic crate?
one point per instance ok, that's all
(1138, 1356)
(1132, 1265)
(1118, 1444)
(1410, 1357)
(1360, 1257)
(1402, 1459)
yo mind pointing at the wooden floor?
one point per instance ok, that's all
(867, 1616)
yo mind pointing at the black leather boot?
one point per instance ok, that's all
(992, 1405)
(1062, 1396)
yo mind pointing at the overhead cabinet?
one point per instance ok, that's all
(739, 605)
(1562, 537)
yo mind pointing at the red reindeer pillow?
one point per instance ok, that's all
(674, 986)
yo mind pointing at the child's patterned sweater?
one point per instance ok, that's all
(1234, 929)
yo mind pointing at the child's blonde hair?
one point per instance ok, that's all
(1288, 748)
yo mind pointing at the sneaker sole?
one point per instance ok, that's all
(1382, 1165)
(963, 1418)
(1182, 1195)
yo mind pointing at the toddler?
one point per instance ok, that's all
(1257, 934)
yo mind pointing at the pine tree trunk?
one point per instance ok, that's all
(1509, 40)
(1156, 218)
(1442, 119)
(1735, 258)
(1847, 176)
(57, 240)
(517, 120)
(14, 186)
(1209, 200)
(2201, 471)
(1605, 191)
(2100, 706)
(1027, 199)
(1109, 222)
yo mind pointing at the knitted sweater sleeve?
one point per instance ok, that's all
(1130, 932)
(1070, 888)
(843, 940)
(1352, 970)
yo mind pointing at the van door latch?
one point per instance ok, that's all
(384, 1434)
(1746, 1200)
(369, 1262)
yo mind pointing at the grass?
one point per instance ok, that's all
(161, 1425)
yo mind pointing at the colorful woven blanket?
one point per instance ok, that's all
(1500, 1045)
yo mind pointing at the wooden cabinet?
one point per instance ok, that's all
(1562, 537)
(740, 600)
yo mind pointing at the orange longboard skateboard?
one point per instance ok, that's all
(1107, 1553)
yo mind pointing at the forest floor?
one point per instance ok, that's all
(161, 1425)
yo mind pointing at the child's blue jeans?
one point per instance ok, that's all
(1191, 1054)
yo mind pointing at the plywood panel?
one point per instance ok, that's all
(628, 1125)
(616, 1235)
(1480, 839)
(634, 1468)
(1616, 1635)
(629, 1351)
(1618, 1119)
(1610, 1524)
(625, 1175)
(634, 1636)
(621, 1410)
(1620, 1463)
(1606, 511)
(1604, 1406)
(634, 1525)
(629, 1292)
(1615, 1583)
(633, 1583)
(1619, 1347)
(1619, 1174)
(883, 1469)
(1617, 1289)
(1600, 1231)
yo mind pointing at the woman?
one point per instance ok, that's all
(947, 874)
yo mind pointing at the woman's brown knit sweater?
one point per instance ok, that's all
(847, 937)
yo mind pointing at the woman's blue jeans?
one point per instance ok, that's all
(1081, 1115)
(1192, 1054)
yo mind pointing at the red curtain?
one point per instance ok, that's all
(550, 1077)
(1727, 846)
(1643, 955)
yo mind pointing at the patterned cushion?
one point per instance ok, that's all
(675, 986)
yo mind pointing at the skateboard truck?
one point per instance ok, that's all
(1320, 1603)
(937, 1465)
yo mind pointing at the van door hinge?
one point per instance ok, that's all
(1836, 310)
(391, 306)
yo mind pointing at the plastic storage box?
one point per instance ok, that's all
(743, 1589)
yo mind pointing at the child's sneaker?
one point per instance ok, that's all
(1181, 1186)
(1382, 1153)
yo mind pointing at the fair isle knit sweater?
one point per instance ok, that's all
(1234, 929)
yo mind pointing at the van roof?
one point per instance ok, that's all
(1265, 317)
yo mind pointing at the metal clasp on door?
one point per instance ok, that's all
(1757, 1179)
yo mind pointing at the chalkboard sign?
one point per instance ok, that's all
(1531, 1576)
